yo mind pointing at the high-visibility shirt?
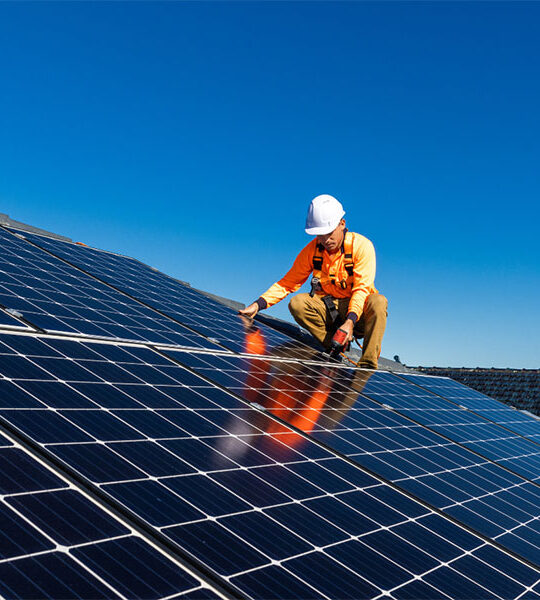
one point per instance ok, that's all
(359, 286)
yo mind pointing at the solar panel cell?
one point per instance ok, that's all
(18, 537)
(17, 398)
(50, 393)
(18, 473)
(211, 497)
(97, 462)
(274, 582)
(225, 552)
(67, 517)
(330, 577)
(452, 584)
(151, 458)
(46, 426)
(154, 502)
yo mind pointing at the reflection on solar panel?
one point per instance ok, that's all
(490, 409)
(56, 543)
(182, 303)
(326, 403)
(237, 490)
(126, 474)
(57, 297)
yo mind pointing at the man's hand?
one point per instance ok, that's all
(250, 311)
(348, 327)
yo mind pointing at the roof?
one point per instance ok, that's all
(8, 222)
(518, 387)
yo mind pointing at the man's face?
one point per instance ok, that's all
(332, 241)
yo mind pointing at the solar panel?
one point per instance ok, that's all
(57, 297)
(179, 301)
(464, 426)
(326, 403)
(490, 409)
(57, 543)
(266, 509)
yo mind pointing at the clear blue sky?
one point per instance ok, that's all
(194, 135)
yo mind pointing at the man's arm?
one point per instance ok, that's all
(295, 277)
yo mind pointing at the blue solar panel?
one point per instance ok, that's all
(470, 429)
(487, 407)
(57, 543)
(55, 296)
(266, 509)
(326, 403)
(181, 302)
(254, 501)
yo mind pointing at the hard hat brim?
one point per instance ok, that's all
(320, 230)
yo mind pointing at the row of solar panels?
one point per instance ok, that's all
(267, 477)
(72, 289)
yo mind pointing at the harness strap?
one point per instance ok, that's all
(347, 250)
(331, 308)
(318, 261)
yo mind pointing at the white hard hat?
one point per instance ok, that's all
(324, 215)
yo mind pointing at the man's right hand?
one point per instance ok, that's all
(250, 311)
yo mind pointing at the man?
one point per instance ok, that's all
(343, 292)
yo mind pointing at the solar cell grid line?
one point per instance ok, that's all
(55, 542)
(491, 500)
(180, 302)
(56, 297)
(491, 409)
(254, 500)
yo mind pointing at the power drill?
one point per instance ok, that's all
(338, 343)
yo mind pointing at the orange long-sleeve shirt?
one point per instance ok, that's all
(359, 286)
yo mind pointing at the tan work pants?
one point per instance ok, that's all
(311, 313)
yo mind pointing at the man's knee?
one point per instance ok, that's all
(376, 304)
(297, 304)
